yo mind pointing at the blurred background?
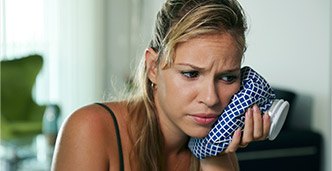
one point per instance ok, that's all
(59, 55)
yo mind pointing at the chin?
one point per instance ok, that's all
(199, 133)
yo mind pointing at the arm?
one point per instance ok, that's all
(256, 128)
(223, 162)
(81, 144)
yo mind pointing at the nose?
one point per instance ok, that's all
(209, 94)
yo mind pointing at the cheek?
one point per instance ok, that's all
(178, 91)
(227, 93)
(173, 91)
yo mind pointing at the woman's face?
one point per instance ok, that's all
(195, 89)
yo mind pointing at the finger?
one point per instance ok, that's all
(236, 139)
(266, 125)
(258, 124)
(248, 127)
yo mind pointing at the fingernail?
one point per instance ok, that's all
(255, 108)
(266, 116)
(238, 131)
(248, 113)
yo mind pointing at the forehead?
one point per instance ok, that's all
(208, 49)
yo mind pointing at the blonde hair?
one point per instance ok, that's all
(176, 22)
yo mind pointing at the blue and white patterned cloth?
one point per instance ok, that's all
(254, 90)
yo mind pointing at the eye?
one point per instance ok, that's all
(190, 74)
(229, 78)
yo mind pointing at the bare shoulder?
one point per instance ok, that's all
(85, 140)
(87, 121)
(93, 119)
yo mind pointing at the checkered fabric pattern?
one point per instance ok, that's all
(254, 90)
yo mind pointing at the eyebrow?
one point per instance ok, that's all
(201, 68)
(190, 65)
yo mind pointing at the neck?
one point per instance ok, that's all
(175, 141)
(178, 160)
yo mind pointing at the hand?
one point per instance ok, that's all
(256, 128)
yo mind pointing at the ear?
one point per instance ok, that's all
(151, 58)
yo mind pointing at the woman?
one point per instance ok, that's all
(188, 75)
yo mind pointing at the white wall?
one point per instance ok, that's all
(129, 29)
(79, 53)
(289, 44)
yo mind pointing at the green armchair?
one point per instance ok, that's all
(20, 115)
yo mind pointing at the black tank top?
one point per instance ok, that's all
(117, 132)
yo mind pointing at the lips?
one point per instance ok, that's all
(204, 119)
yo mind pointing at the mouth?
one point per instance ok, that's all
(204, 119)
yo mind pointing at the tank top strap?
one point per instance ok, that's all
(117, 132)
